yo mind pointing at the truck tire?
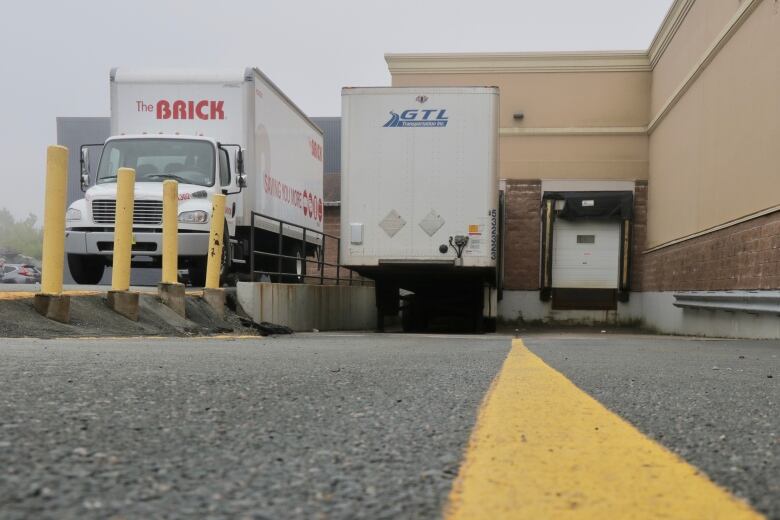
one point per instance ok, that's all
(197, 268)
(197, 272)
(86, 269)
(292, 267)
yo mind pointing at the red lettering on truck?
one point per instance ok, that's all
(308, 203)
(163, 110)
(179, 111)
(216, 109)
(316, 149)
(189, 109)
(199, 109)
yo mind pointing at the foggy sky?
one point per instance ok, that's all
(56, 55)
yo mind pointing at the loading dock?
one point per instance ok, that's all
(586, 254)
(586, 245)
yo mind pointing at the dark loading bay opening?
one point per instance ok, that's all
(584, 299)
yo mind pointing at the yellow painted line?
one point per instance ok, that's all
(225, 337)
(542, 448)
(16, 295)
(21, 295)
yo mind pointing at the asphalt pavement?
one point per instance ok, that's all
(340, 426)
(716, 403)
(310, 426)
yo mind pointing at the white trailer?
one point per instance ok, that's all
(231, 132)
(420, 199)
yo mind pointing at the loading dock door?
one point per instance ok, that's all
(586, 254)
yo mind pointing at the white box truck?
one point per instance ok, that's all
(420, 200)
(231, 132)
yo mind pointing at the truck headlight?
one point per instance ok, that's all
(73, 214)
(193, 217)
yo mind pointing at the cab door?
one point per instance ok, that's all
(227, 181)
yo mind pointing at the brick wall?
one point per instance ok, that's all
(744, 256)
(523, 228)
(332, 221)
(639, 235)
(331, 225)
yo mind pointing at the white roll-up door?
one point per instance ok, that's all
(586, 254)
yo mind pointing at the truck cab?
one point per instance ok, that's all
(201, 166)
(200, 127)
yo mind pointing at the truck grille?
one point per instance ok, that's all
(144, 211)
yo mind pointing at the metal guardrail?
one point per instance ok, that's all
(319, 260)
(752, 302)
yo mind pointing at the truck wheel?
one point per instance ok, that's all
(86, 269)
(226, 267)
(292, 267)
(197, 272)
(197, 269)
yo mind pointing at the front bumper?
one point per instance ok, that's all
(145, 244)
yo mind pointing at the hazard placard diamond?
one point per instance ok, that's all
(392, 223)
(431, 223)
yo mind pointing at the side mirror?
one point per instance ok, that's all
(84, 168)
(240, 161)
(241, 180)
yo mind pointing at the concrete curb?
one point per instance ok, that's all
(124, 303)
(54, 306)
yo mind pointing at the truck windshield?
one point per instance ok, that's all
(155, 160)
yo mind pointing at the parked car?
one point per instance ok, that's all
(20, 273)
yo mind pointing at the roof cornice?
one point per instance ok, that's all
(672, 22)
(743, 13)
(588, 61)
(465, 63)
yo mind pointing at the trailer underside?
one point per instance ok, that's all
(434, 297)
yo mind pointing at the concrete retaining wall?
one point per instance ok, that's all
(526, 306)
(660, 314)
(305, 307)
(654, 310)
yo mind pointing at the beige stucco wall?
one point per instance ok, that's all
(579, 100)
(553, 100)
(712, 158)
(704, 21)
(574, 157)
(716, 156)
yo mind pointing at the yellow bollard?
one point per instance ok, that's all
(170, 240)
(123, 229)
(54, 219)
(216, 242)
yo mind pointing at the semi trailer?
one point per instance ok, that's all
(421, 212)
(231, 132)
